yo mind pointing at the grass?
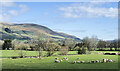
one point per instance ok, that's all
(48, 62)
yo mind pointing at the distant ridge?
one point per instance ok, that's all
(26, 31)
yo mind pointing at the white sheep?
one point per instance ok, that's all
(110, 60)
(78, 61)
(97, 61)
(57, 61)
(74, 62)
(104, 60)
(82, 61)
(61, 60)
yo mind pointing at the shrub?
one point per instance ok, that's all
(82, 50)
(7, 44)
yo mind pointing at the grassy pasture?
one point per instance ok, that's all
(11, 53)
(48, 62)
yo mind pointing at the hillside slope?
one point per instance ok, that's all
(29, 31)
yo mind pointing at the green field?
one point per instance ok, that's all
(48, 62)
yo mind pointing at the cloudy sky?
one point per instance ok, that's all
(76, 18)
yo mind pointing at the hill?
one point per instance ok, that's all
(28, 31)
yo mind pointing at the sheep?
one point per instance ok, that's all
(61, 60)
(110, 60)
(82, 61)
(92, 61)
(56, 58)
(65, 58)
(104, 60)
(57, 61)
(74, 62)
(97, 61)
(78, 61)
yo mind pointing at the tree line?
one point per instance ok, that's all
(64, 45)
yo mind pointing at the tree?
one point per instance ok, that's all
(93, 42)
(7, 44)
(41, 44)
(70, 43)
(51, 48)
(86, 41)
(82, 50)
(101, 44)
(115, 42)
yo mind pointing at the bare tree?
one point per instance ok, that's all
(93, 42)
(86, 42)
(70, 43)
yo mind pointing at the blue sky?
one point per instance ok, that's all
(80, 19)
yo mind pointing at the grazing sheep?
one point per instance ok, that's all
(77, 58)
(110, 60)
(57, 61)
(68, 61)
(74, 62)
(92, 61)
(104, 60)
(82, 61)
(97, 61)
(61, 60)
(78, 61)
(65, 58)
(56, 58)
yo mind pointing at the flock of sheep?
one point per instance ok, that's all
(78, 61)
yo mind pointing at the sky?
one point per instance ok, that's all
(76, 18)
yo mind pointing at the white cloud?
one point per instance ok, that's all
(11, 9)
(92, 9)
